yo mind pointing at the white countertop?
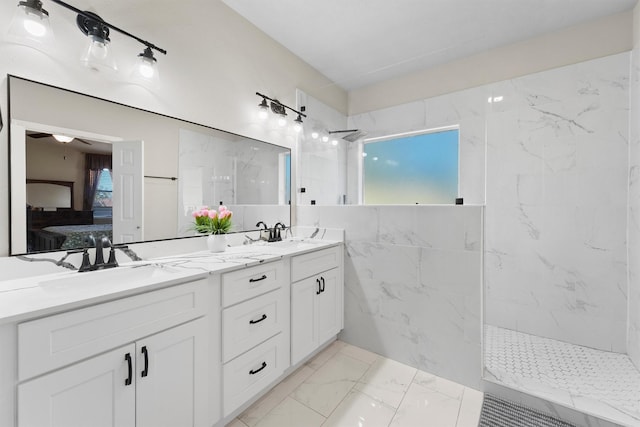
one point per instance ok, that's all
(42, 295)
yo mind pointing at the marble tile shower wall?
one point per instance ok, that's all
(633, 348)
(412, 283)
(555, 187)
(556, 215)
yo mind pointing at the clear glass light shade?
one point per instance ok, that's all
(31, 26)
(97, 55)
(282, 121)
(297, 127)
(146, 72)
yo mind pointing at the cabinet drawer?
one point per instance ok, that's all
(249, 374)
(55, 341)
(307, 265)
(249, 323)
(241, 285)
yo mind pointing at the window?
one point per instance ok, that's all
(419, 168)
(102, 201)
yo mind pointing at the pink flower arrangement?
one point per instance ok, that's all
(210, 221)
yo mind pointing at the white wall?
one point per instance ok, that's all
(582, 42)
(216, 62)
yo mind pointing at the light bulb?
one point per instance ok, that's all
(334, 142)
(146, 72)
(325, 138)
(263, 114)
(282, 121)
(30, 26)
(315, 135)
(297, 127)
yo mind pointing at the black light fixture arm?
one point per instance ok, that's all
(113, 27)
(281, 104)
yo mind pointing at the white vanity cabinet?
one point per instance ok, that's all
(255, 331)
(139, 361)
(316, 300)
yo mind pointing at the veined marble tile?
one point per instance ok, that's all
(262, 407)
(291, 413)
(441, 385)
(421, 404)
(470, 408)
(324, 390)
(321, 358)
(386, 381)
(358, 409)
(359, 353)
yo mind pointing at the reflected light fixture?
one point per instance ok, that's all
(315, 135)
(279, 109)
(30, 23)
(63, 138)
(325, 138)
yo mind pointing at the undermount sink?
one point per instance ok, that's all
(108, 276)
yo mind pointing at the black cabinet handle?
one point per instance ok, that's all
(264, 276)
(127, 358)
(145, 371)
(252, 372)
(253, 322)
(319, 289)
(322, 288)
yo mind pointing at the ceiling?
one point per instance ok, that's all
(356, 43)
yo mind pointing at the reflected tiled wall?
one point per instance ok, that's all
(412, 283)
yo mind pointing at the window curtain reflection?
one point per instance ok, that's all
(94, 164)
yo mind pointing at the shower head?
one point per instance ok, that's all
(353, 134)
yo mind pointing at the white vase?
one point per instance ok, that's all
(217, 242)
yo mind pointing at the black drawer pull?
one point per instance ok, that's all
(322, 288)
(253, 322)
(145, 371)
(264, 276)
(252, 372)
(319, 288)
(127, 358)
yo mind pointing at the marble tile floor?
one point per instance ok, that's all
(351, 387)
(592, 381)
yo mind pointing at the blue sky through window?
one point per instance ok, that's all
(414, 169)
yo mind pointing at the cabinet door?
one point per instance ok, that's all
(90, 393)
(304, 334)
(329, 306)
(172, 375)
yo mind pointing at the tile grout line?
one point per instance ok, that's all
(395, 412)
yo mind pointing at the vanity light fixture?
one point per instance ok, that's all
(280, 109)
(146, 70)
(34, 20)
(31, 23)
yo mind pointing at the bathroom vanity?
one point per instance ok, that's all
(189, 340)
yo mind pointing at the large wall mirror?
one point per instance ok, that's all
(82, 165)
